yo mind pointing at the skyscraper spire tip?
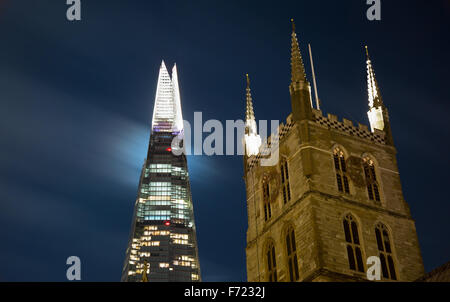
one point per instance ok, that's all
(167, 115)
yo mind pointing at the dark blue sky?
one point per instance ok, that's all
(76, 101)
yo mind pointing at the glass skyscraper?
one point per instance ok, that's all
(163, 244)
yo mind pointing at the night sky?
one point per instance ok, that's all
(77, 97)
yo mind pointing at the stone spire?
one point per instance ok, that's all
(252, 140)
(300, 89)
(297, 68)
(378, 113)
(372, 85)
(249, 114)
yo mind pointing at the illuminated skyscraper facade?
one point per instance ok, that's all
(163, 238)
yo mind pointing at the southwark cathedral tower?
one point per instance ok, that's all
(333, 198)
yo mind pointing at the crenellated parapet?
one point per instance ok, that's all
(347, 127)
(329, 122)
(282, 131)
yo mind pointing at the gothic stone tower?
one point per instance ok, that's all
(333, 199)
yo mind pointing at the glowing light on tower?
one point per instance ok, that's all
(252, 140)
(375, 112)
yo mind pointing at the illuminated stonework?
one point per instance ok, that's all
(376, 118)
(333, 199)
(163, 229)
(375, 113)
(252, 140)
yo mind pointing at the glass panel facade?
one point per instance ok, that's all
(163, 228)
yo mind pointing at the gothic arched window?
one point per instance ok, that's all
(266, 199)
(291, 250)
(371, 179)
(271, 263)
(385, 250)
(354, 252)
(285, 181)
(341, 171)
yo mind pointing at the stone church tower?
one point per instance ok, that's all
(334, 197)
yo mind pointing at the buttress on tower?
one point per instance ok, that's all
(333, 199)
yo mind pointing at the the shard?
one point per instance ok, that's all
(162, 244)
